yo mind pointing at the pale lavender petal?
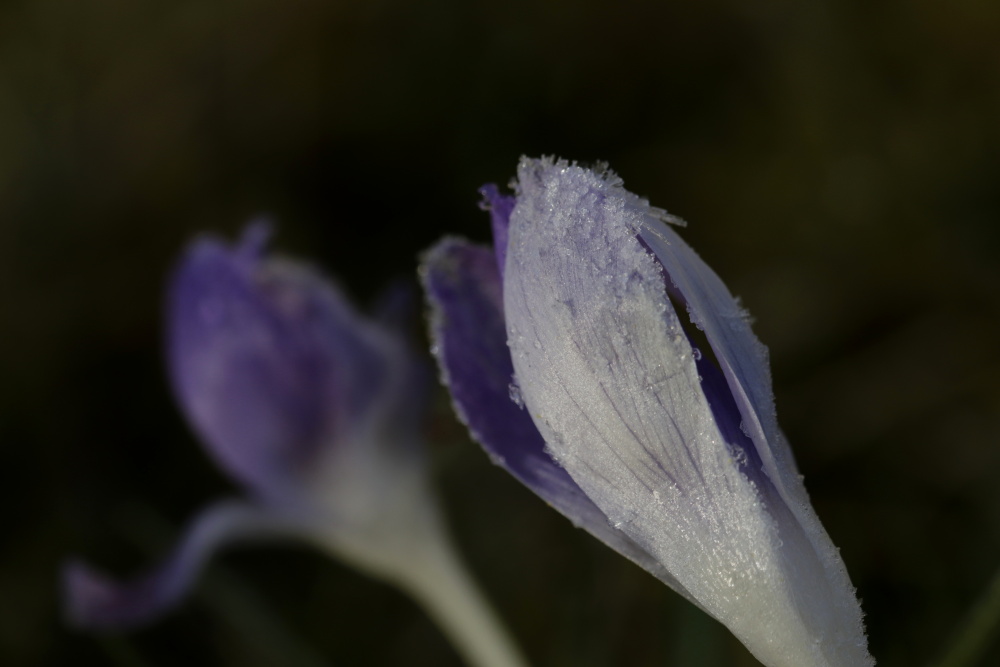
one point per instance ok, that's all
(499, 207)
(462, 284)
(611, 381)
(726, 325)
(94, 601)
(744, 363)
(267, 359)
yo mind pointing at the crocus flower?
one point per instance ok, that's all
(569, 350)
(316, 410)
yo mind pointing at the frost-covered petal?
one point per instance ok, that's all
(94, 601)
(462, 283)
(742, 357)
(744, 363)
(268, 360)
(610, 379)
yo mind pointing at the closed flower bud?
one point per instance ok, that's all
(316, 410)
(570, 353)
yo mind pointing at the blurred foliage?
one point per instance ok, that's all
(838, 162)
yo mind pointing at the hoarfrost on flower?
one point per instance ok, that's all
(671, 456)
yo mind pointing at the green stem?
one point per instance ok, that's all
(977, 630)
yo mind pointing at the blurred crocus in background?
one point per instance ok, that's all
(596, 357)
(317, 411)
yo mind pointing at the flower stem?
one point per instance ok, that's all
(977, 630)
(442, 584)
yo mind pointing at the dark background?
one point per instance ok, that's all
(838, 163)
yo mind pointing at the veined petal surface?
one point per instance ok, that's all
(463, 286)
(611, 381)
(745, 366)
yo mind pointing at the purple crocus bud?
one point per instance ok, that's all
(573, 365)
(317, 411)
(269, 362)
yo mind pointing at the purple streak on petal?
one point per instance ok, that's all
(95, 601)
(720, 398)
(470, 342)
(742, 358)
(500, 207)
(267, 359)
(727, 418)
(744, 364)
(713, 383)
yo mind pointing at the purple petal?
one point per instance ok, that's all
(500, 207)
(267, 359)
(463, 287)
(94, 601)
(728, 419)
(462, 283)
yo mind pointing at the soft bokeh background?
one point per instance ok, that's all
(838, 162)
